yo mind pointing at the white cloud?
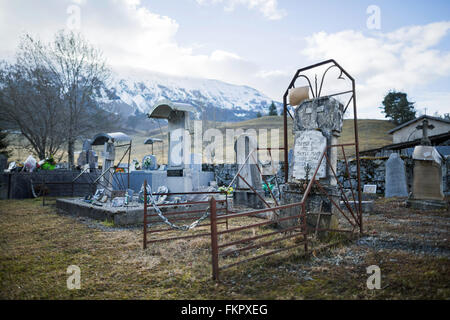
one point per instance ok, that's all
(269, 8)
(128, 33)
(405, 59)
(132, 36)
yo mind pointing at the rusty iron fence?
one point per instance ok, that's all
(316, 91)
(298, 231)
(180, 216)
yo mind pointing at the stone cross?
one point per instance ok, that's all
(424, 127)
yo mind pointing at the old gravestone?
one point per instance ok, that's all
(109, 154)
(317, 125)
(87, 155)
(244, 195)
(395, 178)
(427, 193)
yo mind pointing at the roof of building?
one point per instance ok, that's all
(435, 140)
(416, 120)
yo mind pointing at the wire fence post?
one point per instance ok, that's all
(214, 245)
(145, 214)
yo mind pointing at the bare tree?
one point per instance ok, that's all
(29, 102)
(66, 73)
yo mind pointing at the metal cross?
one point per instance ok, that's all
(424, 127)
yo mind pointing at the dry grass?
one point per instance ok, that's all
(37, 246)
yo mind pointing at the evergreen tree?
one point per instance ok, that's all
(398, 108)
(273, 110)
(258, 114)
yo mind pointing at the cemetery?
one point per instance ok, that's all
(312, 207)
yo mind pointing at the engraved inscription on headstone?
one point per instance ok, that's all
(309, 146)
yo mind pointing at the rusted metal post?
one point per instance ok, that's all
(358, 167)
(226, 209)
(214, 244)
(285, 138)
(145, 214)
(265, 181)
(305, 229)
(254, 191)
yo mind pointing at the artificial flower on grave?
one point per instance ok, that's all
(227, 190)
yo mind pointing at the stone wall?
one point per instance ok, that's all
(372, 172)
(224, 173)
(17, 185)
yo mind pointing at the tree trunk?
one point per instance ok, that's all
(70, 153)
(41, 154)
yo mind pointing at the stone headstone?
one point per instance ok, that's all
(179, 148)
(244, 145)
(109, 155)
(87, 155)
(395, 178)
(427, 176)
(317, 124)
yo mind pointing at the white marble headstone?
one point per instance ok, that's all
(308, 147)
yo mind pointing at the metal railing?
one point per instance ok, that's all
(179, 216)
(297, 230)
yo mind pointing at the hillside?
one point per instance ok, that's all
(372, 134)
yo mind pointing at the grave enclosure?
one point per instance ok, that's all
(309, 198)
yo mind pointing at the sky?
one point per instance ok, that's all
(384, 45)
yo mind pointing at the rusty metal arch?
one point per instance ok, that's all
(316, 94)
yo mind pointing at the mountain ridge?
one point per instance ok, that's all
(134, 93)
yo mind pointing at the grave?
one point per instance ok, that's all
(109, 140)
(250, 180)
(183, 172)
(395, 178)
(427, 193)
(427, 189)
(317, 124)
(87, 156)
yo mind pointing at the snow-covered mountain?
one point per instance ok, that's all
(134, 92)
